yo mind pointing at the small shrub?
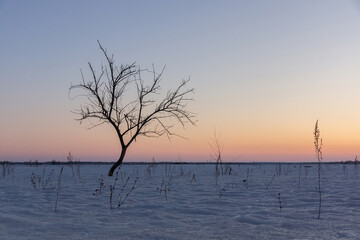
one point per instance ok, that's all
(124, 191)
(164, 188)
(193, 179)
(245, 181)
(44, 181)
(221, 192)
(99, 190)
(122, 196)
(7, 169)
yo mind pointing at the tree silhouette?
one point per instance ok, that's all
(147, 114)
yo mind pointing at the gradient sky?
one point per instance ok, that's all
(264, 72)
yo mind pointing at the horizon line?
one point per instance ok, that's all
(165, 162)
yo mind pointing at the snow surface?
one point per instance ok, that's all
(197, 206)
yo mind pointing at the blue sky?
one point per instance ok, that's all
(263, 71)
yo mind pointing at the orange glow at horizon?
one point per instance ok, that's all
(238, 144)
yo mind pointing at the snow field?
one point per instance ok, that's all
(180, 201)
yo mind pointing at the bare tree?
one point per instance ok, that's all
(147, 114)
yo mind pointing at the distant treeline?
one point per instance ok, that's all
(35, 163)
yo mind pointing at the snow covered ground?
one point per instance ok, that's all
(180, 201)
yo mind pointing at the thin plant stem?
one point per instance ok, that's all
(318, 152)
(58, 188)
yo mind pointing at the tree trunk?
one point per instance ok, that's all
(121, 158)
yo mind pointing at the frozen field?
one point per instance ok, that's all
(180, 201)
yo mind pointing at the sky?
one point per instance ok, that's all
(263, 73)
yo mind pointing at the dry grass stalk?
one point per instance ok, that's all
(58, 188)
(271, 180)
(279, 198)
(216, 148)
(319, 156)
